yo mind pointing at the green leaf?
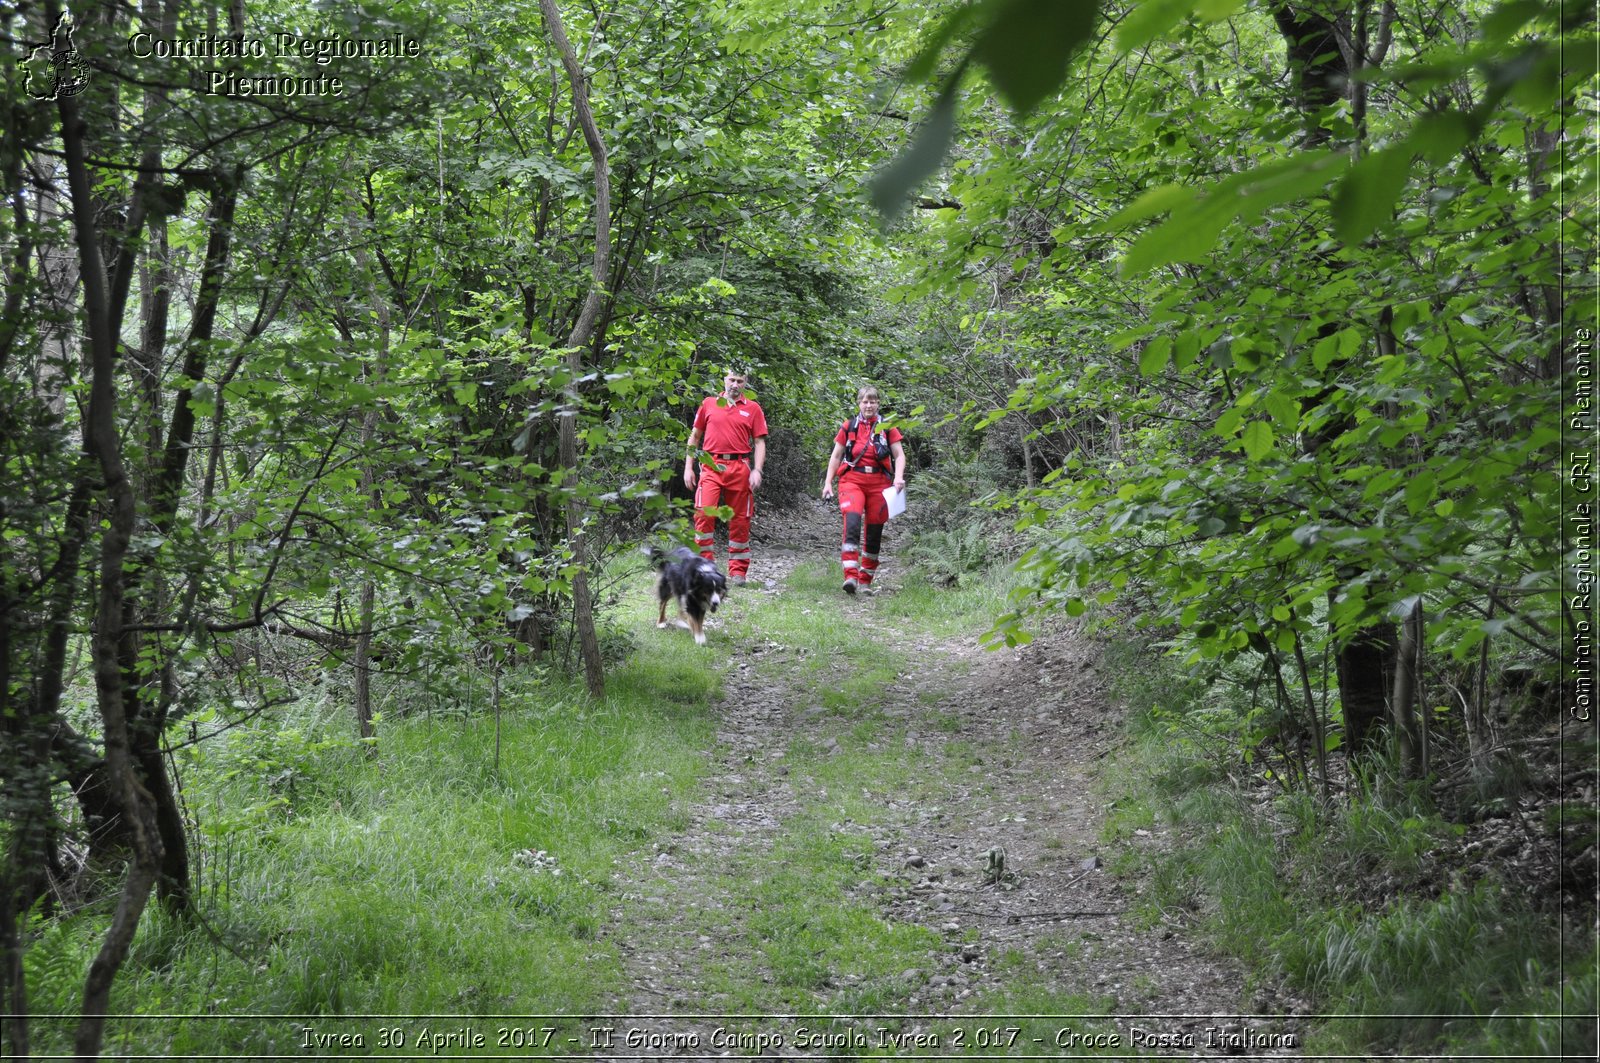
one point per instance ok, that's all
(891, 185)
(1440, 136)
(1188, 238)
(1153, 359)
(1149, 20)
(922, 67)
(1246, 355)
(1257, 440)
(1365, 198)
(1284, 410)
(1153, 201)
(1508, 18)
(1337, 347)
(1420, 492)
(1027, 45)
(1323, 354)
(1186, 350)
(1191, 232)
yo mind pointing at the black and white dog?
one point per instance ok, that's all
(694, 581)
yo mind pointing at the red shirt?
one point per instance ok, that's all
(730, 429)
(863, 450)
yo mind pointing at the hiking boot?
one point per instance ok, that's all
(736, 581)
(850, 586)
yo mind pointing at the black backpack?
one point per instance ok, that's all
(879, 442)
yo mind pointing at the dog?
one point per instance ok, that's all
(694, 581)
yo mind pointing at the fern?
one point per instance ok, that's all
(57, 961)
(950, 556)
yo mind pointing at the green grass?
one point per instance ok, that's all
(404, 882)
(469, 868)
(1279, 885)
(1074, 1030)
(807, 911)
(944, 611)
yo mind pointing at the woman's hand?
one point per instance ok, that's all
(827, 490)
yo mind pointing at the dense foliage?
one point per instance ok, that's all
(1313, 417)
(351, 389)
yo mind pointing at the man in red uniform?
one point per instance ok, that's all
(864, 446)
(733, 431)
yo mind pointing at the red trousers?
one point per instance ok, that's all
(861, 502)
(731, 488)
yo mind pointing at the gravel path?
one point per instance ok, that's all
(1008, 862)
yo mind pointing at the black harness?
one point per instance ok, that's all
(873, 454)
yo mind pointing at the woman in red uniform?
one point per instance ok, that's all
(863, 448)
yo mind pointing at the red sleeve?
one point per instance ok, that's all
(700, 420)
(758, 423)
(894, 436)
(840, 437)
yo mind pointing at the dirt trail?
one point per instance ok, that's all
(1007, 866)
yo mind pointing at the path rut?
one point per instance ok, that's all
(1006, 866)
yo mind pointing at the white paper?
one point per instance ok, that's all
(896, 500)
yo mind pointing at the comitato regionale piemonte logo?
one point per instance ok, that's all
(56, 69)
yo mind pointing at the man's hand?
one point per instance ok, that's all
(688, 476)
(827, 490)
(755, 479)
(899, 486)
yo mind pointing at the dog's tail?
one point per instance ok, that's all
(657, 556)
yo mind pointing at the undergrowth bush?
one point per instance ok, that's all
(1343, 901)
(791, 471)
(1472, 952)
(459, 863)
(947, 557)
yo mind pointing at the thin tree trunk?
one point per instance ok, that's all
(1318, 731)
(1419, 696)
(1402, 704)
(369, 428)
(1023, 432)
(16, 1038)
(582, 602)
(148, 713)
(101, 442)
(1479, 741)
(363, 664)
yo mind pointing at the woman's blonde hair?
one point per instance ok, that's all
(867, 389)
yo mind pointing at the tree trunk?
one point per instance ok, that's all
(101, 443)
(1365, 661)
(582, 332)
(172, 884)
(1322, 68)
(369, 427)
(363, 664)
(1403, 703)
